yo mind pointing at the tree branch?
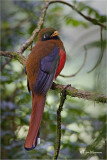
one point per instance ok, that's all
(73, 92)
(92, 20)
(35, 32)
(14, 55)
(41, 20)
(58, 135)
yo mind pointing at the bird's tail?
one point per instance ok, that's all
(38, 102)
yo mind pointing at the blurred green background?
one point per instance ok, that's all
(83, 122)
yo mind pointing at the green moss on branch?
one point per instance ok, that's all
(73, 92)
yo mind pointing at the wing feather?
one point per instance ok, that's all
(47, 70)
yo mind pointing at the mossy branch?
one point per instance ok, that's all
(58, 134)
(73, 92)
(70, 91)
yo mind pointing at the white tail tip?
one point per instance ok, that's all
(38, 141)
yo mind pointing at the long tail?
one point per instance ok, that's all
(38, 102)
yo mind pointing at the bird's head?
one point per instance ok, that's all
(48, 34)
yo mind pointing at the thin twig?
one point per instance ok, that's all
(7, 62)
(72, 75)
(92, 20)
(58, 135)
(101, 53)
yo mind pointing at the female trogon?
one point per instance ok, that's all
(43, 65)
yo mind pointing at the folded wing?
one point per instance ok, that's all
(47, 70)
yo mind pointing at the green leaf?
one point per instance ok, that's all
(103, 19)
(74, 22)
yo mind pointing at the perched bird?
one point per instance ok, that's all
(43, 65)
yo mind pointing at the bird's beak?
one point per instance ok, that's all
(54, 34)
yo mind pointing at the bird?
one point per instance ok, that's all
(43, 65)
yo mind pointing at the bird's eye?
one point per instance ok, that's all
(44, 36)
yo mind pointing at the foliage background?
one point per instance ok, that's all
(83, 122)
